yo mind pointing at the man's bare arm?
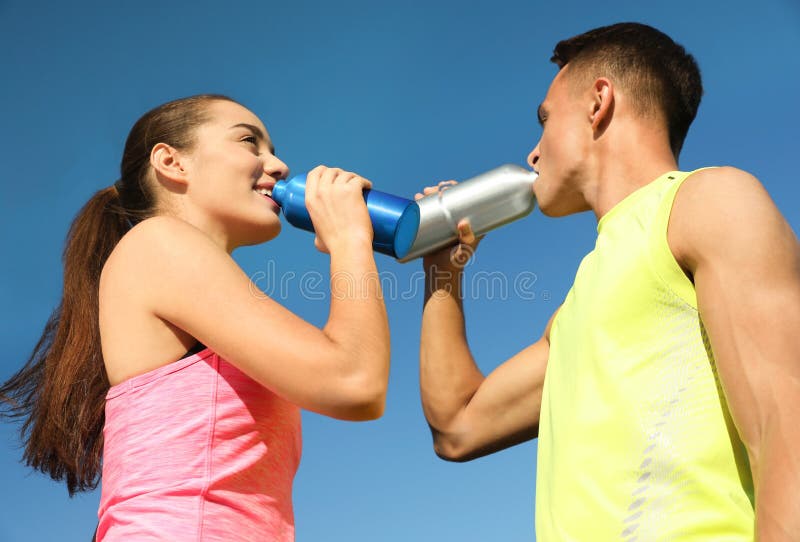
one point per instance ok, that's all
(471, 415)
(745, 261)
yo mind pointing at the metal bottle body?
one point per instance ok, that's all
(395, 220)
(488, 201)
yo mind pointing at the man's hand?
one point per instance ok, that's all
(471, 415)
(454, 258)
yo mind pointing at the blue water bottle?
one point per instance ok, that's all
(395, 220)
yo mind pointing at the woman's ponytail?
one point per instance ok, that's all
(60, 392)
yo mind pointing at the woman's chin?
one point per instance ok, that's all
(261, 235)
(270, 233)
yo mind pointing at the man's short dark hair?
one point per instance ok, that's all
(657, 73)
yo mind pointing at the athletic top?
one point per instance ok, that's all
(635, 438)
(196, 450)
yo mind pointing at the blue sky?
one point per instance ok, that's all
(406, 93)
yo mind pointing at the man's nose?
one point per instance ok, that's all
(533, 157)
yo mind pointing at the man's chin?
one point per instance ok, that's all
(555, 211)
(550, 210)
(547, 211)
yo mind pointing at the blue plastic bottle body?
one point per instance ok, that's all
(395, 220)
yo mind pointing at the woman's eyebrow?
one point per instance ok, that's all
(256, 132)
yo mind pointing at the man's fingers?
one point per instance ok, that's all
(428, 190)
(465, 233)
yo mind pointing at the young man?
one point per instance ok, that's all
(673, 365)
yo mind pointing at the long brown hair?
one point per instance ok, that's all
(60, 392)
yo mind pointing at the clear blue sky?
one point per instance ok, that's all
(406, 93)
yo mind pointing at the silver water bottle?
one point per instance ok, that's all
(488, 201)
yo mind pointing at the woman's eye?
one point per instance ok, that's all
(251, 139)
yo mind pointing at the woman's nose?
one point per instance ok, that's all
(274, 167)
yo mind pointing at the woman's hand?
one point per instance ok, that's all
(454, 257)
(336, 205)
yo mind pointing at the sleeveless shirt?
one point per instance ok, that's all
(196, 450)
(635, 440)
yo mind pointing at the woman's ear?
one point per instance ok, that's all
(602, 103)
(166, 161)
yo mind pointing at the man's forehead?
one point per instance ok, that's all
(559, 81)
(560, 87)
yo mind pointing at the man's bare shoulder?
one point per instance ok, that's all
(717, 209)
(723, 184)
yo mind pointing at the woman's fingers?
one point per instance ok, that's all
(329, 175)
(320, 245)
(337, 208)
(364, 184)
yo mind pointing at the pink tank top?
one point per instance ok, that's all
(196, 450)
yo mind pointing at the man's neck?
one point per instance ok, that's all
(624, 166)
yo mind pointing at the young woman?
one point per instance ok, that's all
(166, 368)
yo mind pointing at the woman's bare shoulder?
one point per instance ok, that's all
(153, 246)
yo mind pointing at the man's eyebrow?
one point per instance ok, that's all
(256, 132)
(541, 113)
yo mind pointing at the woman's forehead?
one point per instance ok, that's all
(229, 114)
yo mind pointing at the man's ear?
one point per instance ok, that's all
(167, 163)
(602, 103)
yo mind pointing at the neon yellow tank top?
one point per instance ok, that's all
(635, 439)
